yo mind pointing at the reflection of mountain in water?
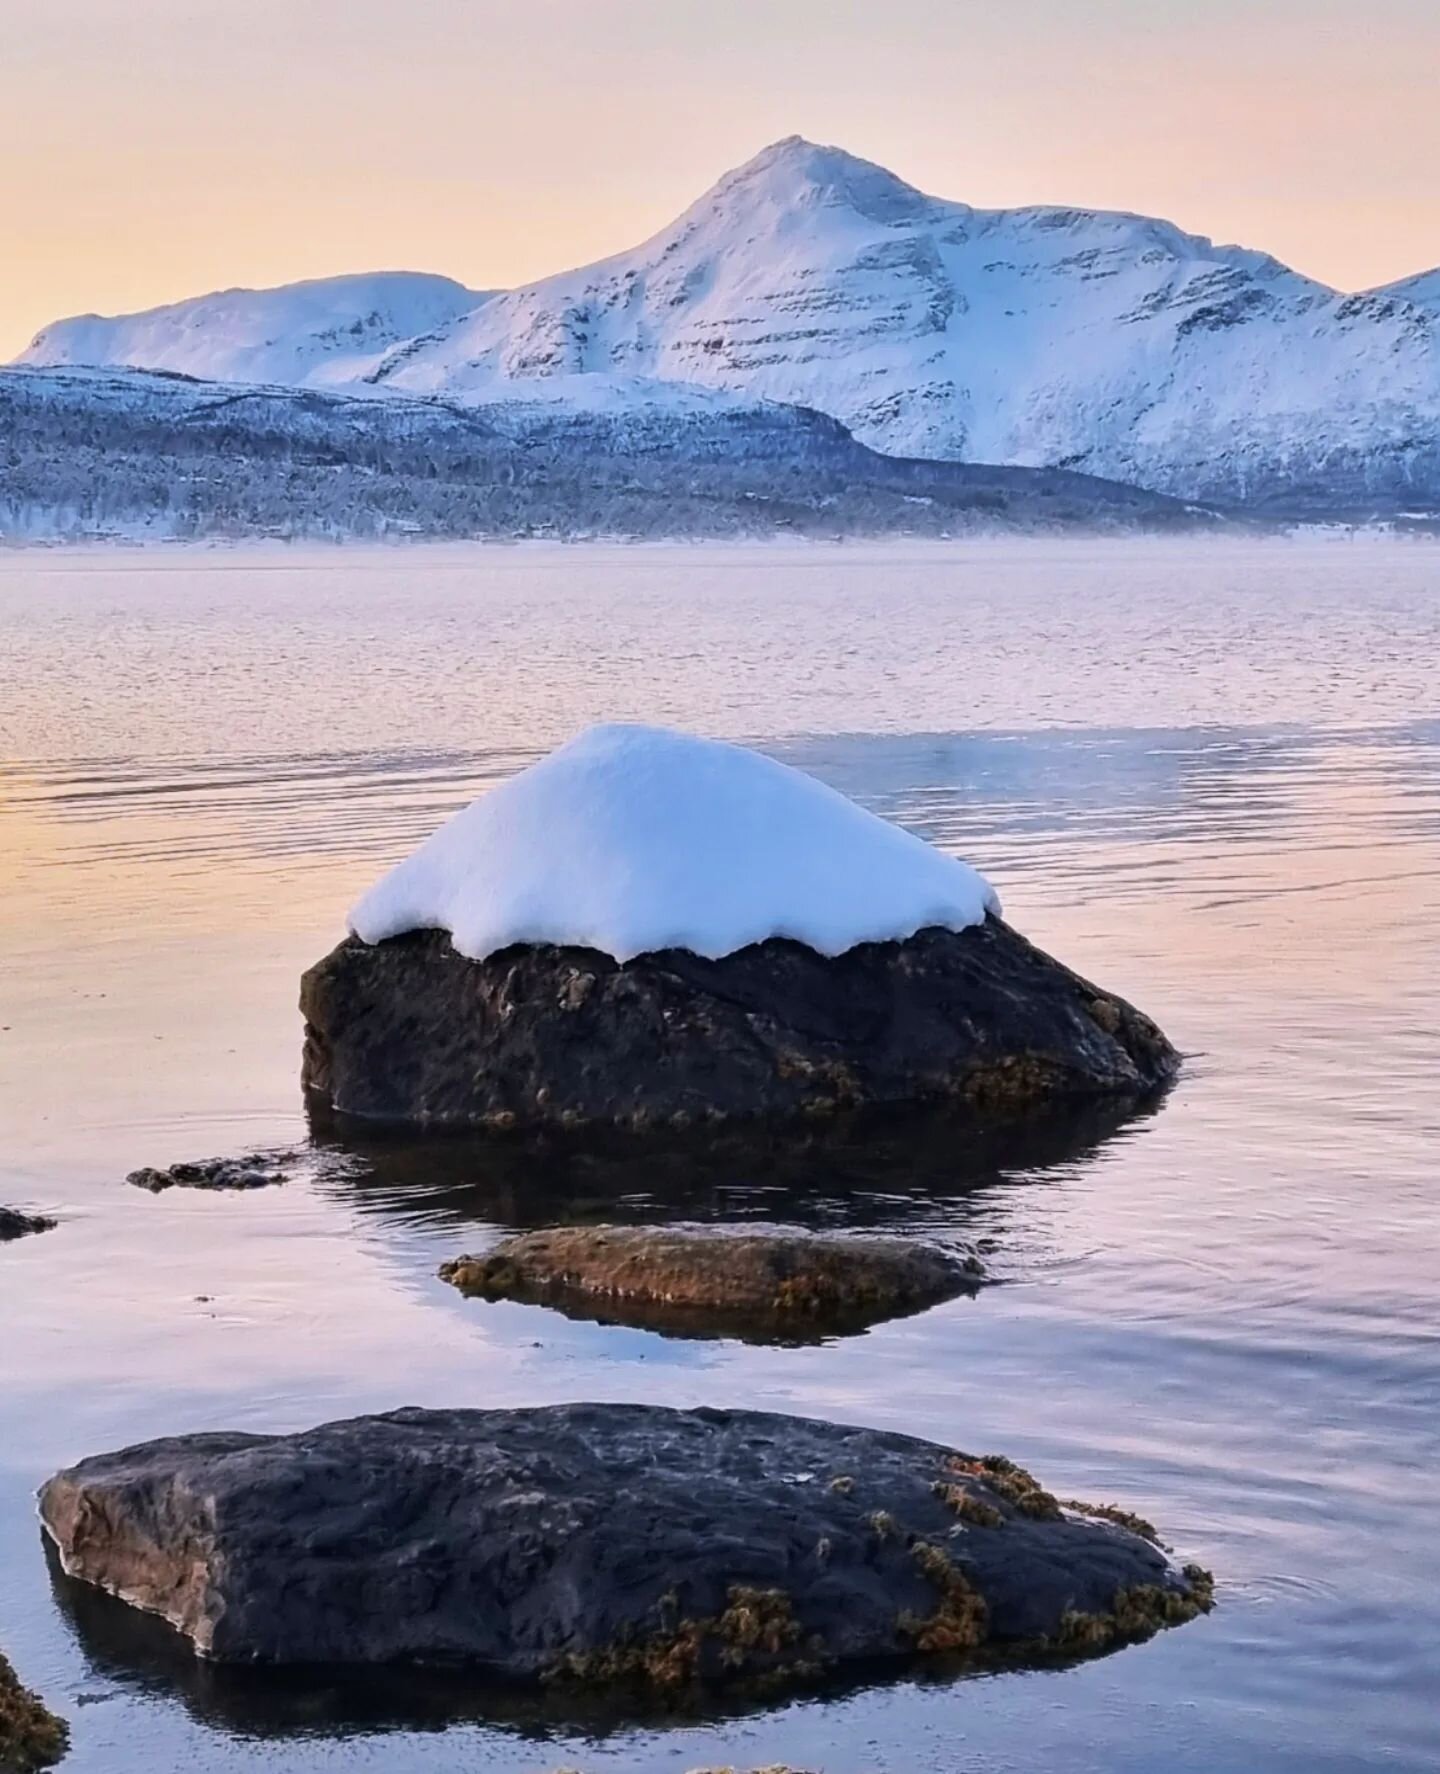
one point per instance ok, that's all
(987, 795)
(907, 1171)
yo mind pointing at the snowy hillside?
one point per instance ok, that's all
(1074, 338)
(332, 330)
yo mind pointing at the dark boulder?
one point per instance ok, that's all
(409, 1030)
(760, 1282)
(14, 1224)
(31, 1737)
(605, 1544)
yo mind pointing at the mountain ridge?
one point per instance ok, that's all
(320, 329)
(1103, 341)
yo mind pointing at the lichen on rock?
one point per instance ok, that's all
(1137, 1611)
(1019, 1487)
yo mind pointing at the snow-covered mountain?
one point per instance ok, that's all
(1093, 340)
(327, 332)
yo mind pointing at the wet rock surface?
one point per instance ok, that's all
(408, 1030)
(597, 1545)
(255, 1170)
(762, 1282)
(31, 1736)
(14, 1224)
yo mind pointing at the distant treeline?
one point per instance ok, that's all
(87, 454)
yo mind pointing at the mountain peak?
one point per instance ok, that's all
(796, 172)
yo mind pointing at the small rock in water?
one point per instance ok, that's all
(31, 1737)
(608, 1546)
(255, 1171)
(14, 1224)
(763, 1281)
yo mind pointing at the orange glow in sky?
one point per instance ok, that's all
(155, 149)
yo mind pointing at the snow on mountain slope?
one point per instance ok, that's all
(327, 331)
(1100, 341)
(1423, 288)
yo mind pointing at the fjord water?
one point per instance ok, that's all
(1209, 777)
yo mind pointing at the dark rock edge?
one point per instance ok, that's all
(15, 1224)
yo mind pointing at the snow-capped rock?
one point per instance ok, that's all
(646, 929)
(1101, 341)
(328, 331)
(631, 839)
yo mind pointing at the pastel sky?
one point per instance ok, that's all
(153, 149)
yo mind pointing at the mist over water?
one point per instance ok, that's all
(1208, 777)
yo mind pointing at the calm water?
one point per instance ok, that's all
(1209, 778)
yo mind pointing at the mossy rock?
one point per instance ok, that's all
(764, 1283)
(31, 1737)
(607, 1546)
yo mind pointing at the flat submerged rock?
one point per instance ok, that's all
(255, 1170)
(762, 1282)
(606, 1545)
(409, 1030)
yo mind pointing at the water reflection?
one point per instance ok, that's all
(981, 790)
(930, 1170)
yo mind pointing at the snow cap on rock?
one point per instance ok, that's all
(631, 839)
